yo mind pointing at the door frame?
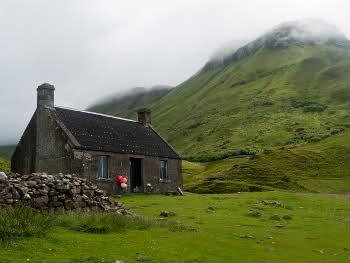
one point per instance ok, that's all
(131, 188)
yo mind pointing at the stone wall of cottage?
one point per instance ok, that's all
(53, 154)
(119, 165)
(53, 149)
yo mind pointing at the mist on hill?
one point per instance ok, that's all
(126, 103)
(315, 31)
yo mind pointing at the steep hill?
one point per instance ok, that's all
(125, 105)
(289, 86)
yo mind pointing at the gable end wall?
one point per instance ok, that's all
(53, 149)
(23, 158)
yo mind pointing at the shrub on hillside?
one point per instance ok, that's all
(207, 157)
(5, 166)
(308, 106)
(314, 108)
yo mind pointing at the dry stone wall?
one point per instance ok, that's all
(56, 193)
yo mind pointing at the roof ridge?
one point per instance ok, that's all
(95, 113)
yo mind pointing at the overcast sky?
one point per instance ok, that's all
(88, 49)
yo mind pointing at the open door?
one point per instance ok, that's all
(135, 168)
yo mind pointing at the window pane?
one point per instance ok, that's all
(163, 170)
(102, 167)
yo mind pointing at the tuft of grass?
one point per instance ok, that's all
(22, 221)
(103, 222)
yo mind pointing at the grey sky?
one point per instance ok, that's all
(88, 49)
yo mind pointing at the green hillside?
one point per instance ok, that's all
(287, 87)
(272, 98)
(313, 167)
(126, 105)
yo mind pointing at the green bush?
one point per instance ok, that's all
(22, 221)
(219, 156)
(308, 106)
(314, 108)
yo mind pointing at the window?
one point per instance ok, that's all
(163, 170)
(102, 166)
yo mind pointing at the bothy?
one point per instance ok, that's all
(97, 147)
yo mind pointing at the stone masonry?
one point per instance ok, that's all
(56, 193)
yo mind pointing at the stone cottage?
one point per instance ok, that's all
(97, 147)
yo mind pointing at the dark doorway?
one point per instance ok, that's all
(136, 184)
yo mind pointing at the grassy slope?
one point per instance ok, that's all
(5, 166)
(5, 155)
(318, 232)
(273, 98)
(315, 167)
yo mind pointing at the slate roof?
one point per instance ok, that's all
(106, 133)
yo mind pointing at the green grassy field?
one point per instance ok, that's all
(206, 228)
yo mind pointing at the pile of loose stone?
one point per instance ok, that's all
(56, 193)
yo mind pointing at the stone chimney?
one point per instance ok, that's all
(144, 117)
(46, 95)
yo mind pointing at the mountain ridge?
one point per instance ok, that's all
(313, 31)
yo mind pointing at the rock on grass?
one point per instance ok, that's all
(167, 213)
(254, 213)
